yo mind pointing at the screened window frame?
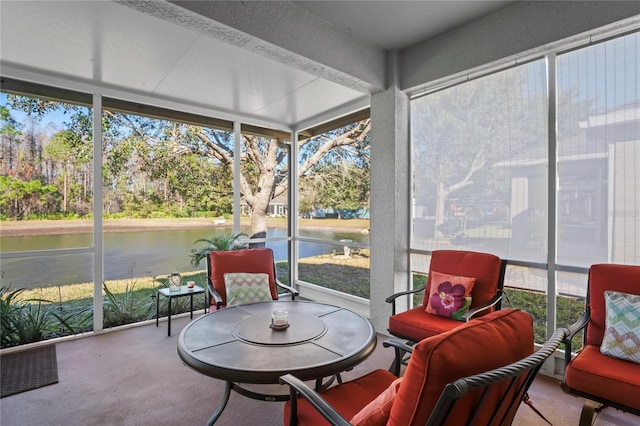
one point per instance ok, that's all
(549, 53)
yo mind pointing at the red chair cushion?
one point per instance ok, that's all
(416, 324)
(348, 398)
(602, 277)
(610, 378)
(483, 344)
(245, 260)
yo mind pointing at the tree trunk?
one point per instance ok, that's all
(259, 206)
(258, 228)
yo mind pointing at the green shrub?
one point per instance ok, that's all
(31, 320)
(127, 307)
(220, 242)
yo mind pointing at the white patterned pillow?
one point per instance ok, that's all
(622, 326)
(245, 288)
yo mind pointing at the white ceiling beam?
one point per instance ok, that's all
(505, 34)
(283, 32)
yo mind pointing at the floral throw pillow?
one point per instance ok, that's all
(622, 326)
(243, 288)
(449, 295)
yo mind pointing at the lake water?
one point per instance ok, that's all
(132, 254)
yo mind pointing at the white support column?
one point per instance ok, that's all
(237, 150)
(552, 196)
(389, 196)
(98, 246)
(294, 245)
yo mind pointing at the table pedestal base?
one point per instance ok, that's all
(223, 404)
(320, 385)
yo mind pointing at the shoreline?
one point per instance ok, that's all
(25, 228)
(80, 226)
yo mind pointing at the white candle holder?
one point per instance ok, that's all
(175, 281)
(279, 320)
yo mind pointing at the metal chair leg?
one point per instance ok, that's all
(589, 409)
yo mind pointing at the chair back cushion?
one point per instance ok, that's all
(491, 341)
(603, 277)
(257, 260)
(484, 267)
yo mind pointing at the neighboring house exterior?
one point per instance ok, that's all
(599, 171)
(278, 207)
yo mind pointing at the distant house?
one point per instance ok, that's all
(597, 200)
(278, 207)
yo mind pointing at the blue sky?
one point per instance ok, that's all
(56, 117)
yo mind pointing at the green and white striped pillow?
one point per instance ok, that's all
(622, 326)
(243, 288)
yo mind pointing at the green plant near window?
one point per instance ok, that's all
(127, 307)
(569, 309)
(221, 242)
(30, 320)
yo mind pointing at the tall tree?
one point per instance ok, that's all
(462, 133)
(66, 149)
(10, 130)
(136, 143)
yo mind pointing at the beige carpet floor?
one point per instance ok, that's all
(134, 377)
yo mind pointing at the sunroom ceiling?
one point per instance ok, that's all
(130, 50)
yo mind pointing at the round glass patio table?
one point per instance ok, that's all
(237, 345)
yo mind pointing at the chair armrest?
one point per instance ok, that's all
(392, 299)
(573, 330)
(473, 312)
(578, 325)
(298, 388)
(214, 295)
(397, 344)
(290, 289)
(400, 350)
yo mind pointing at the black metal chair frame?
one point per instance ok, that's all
(519, 375)
(526, 369)
(214, 295)
(594, 403)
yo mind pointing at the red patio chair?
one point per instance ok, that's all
(476, 374)
(487, 272)
(604, 380)
(249, 261)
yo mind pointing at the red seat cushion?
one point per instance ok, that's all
(416, 324)
(483, 344)
(610, 378)
(348, 398)
(246, 260)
